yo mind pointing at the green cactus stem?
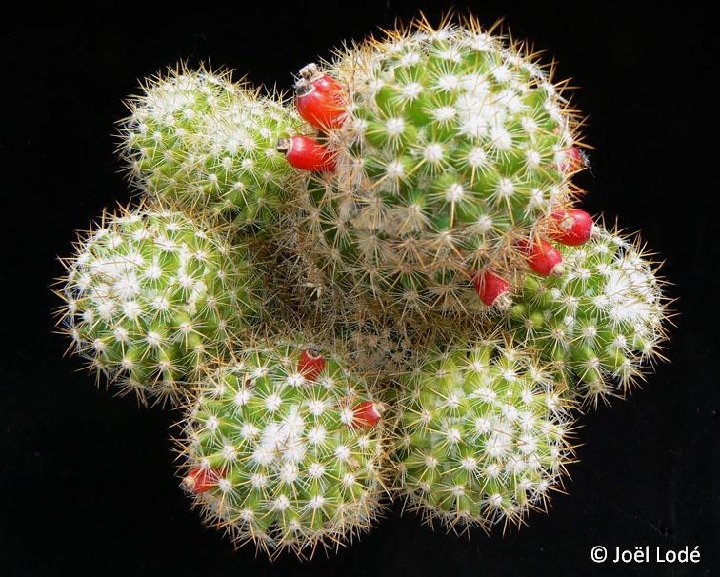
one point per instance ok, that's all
(483, 437)
(295, 444)
(455, 144)
(600, 324)
(198, 141)
(150, 298)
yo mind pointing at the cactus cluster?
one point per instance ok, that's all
(380, 288)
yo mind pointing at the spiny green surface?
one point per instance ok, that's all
(482, 436)
(600, 323)
(455, 143)
(295, 472)
(150, 298)
(201, 142)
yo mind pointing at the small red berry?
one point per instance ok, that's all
(492, 289)
(311, 364)
(571, 227)
(306, 153)
(319, 98)
(201, 479)
(367, 414)
(545, 259)
(574, 160)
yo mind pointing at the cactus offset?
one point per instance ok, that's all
(483, 437)
(151, 298)
(198, 141)
(599, 323)
(294, 444)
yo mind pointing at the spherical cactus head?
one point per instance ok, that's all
(483, 438)
(451, 150)
(282, 456)
(150, 298)
(601, 322)
(198, 141)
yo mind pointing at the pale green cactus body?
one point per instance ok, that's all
(150, 298)
(453, 148)
(452, 153)
(295, 466)
(483, 437)
(200, 142)
(601, 322)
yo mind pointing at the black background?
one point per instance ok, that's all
(87, 482)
